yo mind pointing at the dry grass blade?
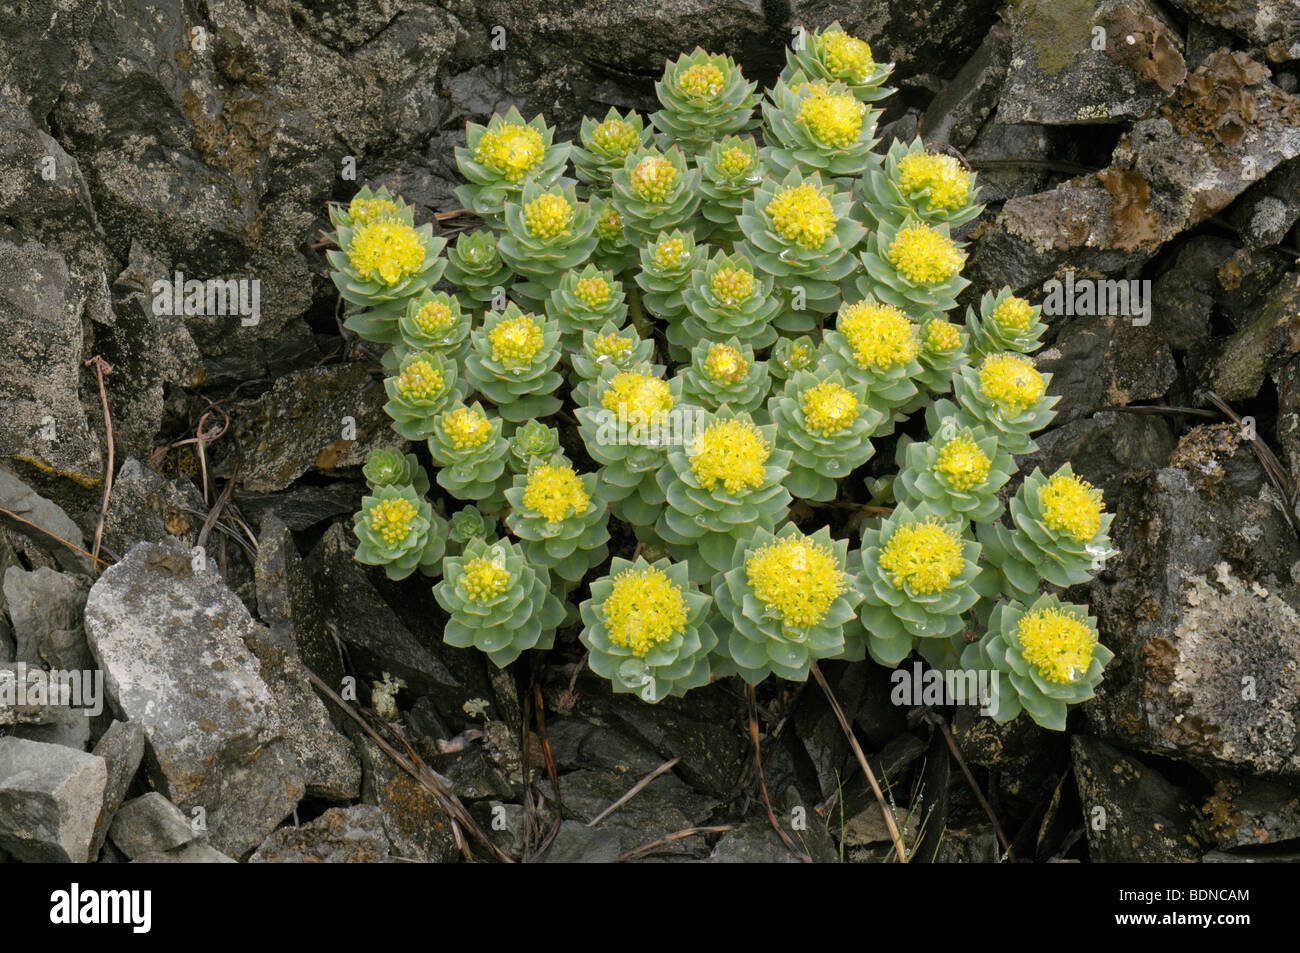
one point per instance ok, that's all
(58, 539)
(675, 836)
(535, 708)
(633, 791)
(942, 725)
(762, 780)
(102, 367)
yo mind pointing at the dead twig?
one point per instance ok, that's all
(633, 791)
(675, 836)
(762, 780)
(935, 719)
(58, 539)
(1161, 409)
(102, 367)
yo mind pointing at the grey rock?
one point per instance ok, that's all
(37, 57)
(1104, 448)
(148, 507)
(1183, 296)
(195, 852)
(1271, 23)
(46, 607)
(1268, 209)
(301, 506)
(957, 113)
(50, 799)
(353, 835)
(1259, 348)
(576, 843)
(754, 842)
(20, 499)
(61, 725)
(416, 825)
(149, 823)
(122, 748)
(1248, 812)
(1004, 155)
(170, 641)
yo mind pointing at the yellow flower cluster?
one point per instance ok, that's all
(943, 175)
(1011, 381)
(963, 463)
(669, 253)
(653, 178)
(609, 224)
(593, 291)
(1057, 643)
(392, 519)
(466, 427)
(516, 341)
(796, 579)
(1071, 505)
(924, 255)
(846, 56)
(548, 216)
(1013, 314)
(386, 249)
(555, 492)
(701, 81)
(829, 408)
(612, 345)
(731, 286)
(483, 578)
(644, 608)
(615, 137)
(729, 451)
(434, 318)
(942, 336)
(633, 395)
(735, 162)
(362, 211)
(881, 335)
(802, 214)
(420, 380)
(513, 150)
(924, 556)
(833, 118)
(725, 364)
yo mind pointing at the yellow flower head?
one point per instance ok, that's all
(1072, 506)
(420, 380)
(466, 427)
(644, 608)
(611, 346)
(725, 364)
(555, 492)
(829, 408)
(881, 335)
(1013, 314)
(669, 253)
(609, 224)
(1056, 642)
(701, 81)
(512, 149)
(833, 118)
(484, 578)
(802, 214)
(924, 255)
(942, 336)
(735, 162)
(653, 178)
(942, 175)
(362, 211)
(1011, 381)
(594, 291)
(731, 286)
(386, 249)
(796, 579)
(731, 451)
(615, 137)
(548, 216)
(434, 318)
(925, 556)
(634, 395)
(516, 341)
(846, 56)
(392, 519)
(963, 463)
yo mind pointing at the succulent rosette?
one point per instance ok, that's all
(916, 574)
(1006, 395)
(956, 473)
(476, 268)
(497, 602)
(788, 600)
(369, 206)
(424, 385)
(584, 301)
(627, 427)
(876, 345)
(512, 363)
(1061, 534)
(667, 265)
(1049, 654)
(726, 298)
(826, 423)
(703, 97)
(613, 251)
(378, 265)
(434, 323)
(832, 54)
(466, 524)
(471, 453)
(723, 484)
(729, 171)
(817, 127)
(725, 373)
(606, 145)
(532, 443)
(548, 233)
(1004, 323)
(800, 231)
(942, 354)
(790, 355)
(647, 629)
(562, 523)
(610, 346)
(499, 158)
(392, 467)
(910, 183)
(655, 192)
(914, 266)
(398, 529)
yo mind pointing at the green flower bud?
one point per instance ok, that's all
(584, 301)
(532, 443)
(475, 267)
(391, 467)
(725, 372)
(1004, 323)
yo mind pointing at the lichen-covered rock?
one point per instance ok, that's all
(42, 522)
(50, 800)
(45, 607)
(149, 823)
(353, 835)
